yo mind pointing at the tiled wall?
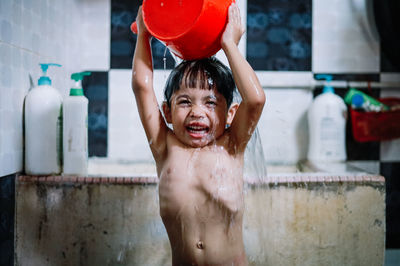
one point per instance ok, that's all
(32, 32)
(72, 33)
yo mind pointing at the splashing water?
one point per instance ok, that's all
(176, 59)
(254, 160)
(165, 58)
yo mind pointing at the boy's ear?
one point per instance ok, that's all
(231, 113)
(167, 112)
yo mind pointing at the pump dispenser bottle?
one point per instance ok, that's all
(43, 122)
(75, 129)
(327, 126)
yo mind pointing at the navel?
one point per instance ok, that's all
(200, 245)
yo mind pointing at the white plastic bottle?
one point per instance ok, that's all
(43, 122)
(327, 127)
(75, 129)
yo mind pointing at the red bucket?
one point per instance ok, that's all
(191, 29)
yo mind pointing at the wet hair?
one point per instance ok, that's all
(208, 73)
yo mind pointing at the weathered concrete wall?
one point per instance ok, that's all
(339, 224)
(97, 223)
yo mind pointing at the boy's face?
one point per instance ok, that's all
(198, 116)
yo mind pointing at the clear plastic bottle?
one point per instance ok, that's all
(327, 127)
(75, 129)
(43, 122)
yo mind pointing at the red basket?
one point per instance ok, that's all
(376, 126)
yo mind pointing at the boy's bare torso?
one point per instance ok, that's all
(201, 203)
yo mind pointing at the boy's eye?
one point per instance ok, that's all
(211, 103)
(184, 102)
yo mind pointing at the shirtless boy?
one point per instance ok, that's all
(200, 161)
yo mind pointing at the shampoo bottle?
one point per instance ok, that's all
(43, 122)
(327, 126)
(75, 129)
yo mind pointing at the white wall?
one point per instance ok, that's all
(42, 31)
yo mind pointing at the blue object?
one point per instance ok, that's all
(44, 79)
(327, 88)
(357, 101)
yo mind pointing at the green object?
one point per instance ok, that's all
(369, 103)
(44, 79)
(327, 88)
(77, 77)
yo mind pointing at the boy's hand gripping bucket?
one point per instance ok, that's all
(191, 29)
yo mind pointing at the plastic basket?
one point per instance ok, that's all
(376, 126)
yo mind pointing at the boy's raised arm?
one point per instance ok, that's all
(142, 85)
(253, 97)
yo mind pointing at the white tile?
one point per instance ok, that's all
(123, 125)
(126, 138)
(283, 125)
(390, 150)
(391, 77)
(349, 49)
(390, 93)
(96, 26)
(6, 79)
(5, 7)
(16, 13)
(28, 4)
(6, 31)
(372, 167)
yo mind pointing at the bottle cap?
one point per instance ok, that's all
(327, 88)
(357, 100)
(77, 77)
(44, 79)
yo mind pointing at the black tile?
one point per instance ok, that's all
(7, 203)
(357, 150)
(388, 25)
(96, 90)
(391, 172)
(279, 35)
(388, 61)
(123, 41)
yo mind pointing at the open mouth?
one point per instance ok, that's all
(197, 130)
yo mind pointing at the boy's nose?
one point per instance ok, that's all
(196, 111)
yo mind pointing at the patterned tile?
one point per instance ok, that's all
(96, 90)
(279, 35)
(123, 41)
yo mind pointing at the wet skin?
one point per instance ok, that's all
(201, 184)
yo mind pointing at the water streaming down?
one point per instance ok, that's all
(254, 161)
(176, 59)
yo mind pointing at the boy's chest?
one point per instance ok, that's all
(192, 178)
